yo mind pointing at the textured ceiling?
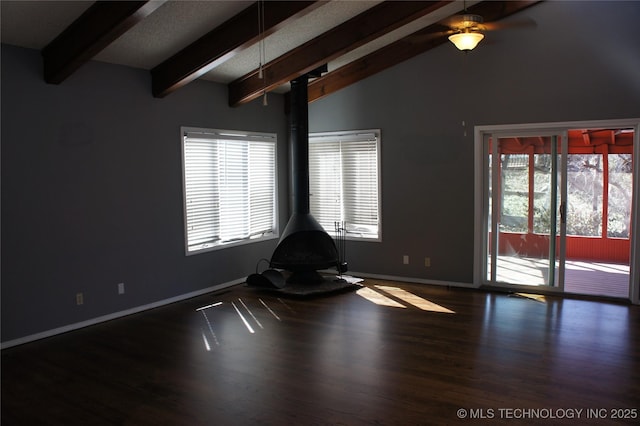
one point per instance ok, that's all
(176, 24)
(170, 28)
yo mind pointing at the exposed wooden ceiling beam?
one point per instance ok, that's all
(94, 30)
(350, 35)
(611, 137)
(223, 42)
(373, 63)
(403, 49)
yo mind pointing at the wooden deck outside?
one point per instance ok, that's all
(589, 278)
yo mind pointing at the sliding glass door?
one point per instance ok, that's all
(556, 205)
(525, 227)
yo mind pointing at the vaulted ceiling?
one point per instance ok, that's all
(252, 47)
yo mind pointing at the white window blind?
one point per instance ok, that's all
(229, 187)
(344, 181)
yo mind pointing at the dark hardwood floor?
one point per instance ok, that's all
(337, 360)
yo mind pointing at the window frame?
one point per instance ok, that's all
(241, 135)
(353, 134)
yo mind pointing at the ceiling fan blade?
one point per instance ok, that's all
(421, 37)
(521, 23)
(430, 33)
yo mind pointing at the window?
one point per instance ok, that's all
(584, 187)
(620, 178)
(229, 188)
(344, 182)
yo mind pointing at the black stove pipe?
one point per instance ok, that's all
(300, 144)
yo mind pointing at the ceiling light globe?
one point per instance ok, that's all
(466, 41)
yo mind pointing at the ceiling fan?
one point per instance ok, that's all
(466, 30)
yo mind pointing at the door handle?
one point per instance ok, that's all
(563, 212)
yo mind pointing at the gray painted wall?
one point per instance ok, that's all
(581, 62)
(92, 191)
(91, 169)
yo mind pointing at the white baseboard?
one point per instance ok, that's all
(120, 314)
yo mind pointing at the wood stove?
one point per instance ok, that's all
(304, 246)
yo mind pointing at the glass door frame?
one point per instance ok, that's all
(558, 227)
(481, 189)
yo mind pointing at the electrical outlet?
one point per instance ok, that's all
(405, 259)
(121, 288)
(427, 262)
(79, 299)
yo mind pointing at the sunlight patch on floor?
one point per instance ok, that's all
(412, 299)
(379, 299)
(207, 346)
(244, 320)
(213, 334)
(213, 305)
(581, 277)
(251, 313)
(537, 297)
(270, 310)
(611, 268)
(225, 317)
